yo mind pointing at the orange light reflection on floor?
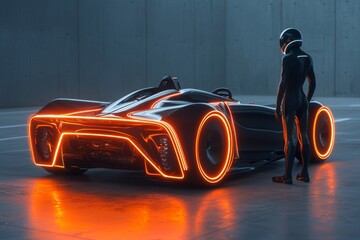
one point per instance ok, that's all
(110, 214)
(324, 182)
(85, 215)
(215, 203)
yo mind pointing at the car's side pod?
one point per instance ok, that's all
(321, 131)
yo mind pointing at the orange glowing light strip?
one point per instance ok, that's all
(173, 136)
(30, 140)
(218, 102)
(226, 103)
(170, 131)
(146, 167)
(229, 156)
(332, 129)
(150, 173)
(62, 161)
(118, 137)
(84, 111)
(237, 153)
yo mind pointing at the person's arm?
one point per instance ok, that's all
(312, 83)
(281, 89)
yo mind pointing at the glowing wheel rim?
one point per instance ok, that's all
(323, 134)
(214, 147)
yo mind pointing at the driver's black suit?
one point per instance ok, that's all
(296, 67)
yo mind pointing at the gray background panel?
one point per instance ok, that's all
(170, 40)
(316, 19)
(253, 55)
(347, 48)
(102, 50)
(111, 48)
(210, 46)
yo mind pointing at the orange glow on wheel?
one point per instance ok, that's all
(226, 150)
(323, 150)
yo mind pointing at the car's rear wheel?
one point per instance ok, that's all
(321, 132)
(213, 148)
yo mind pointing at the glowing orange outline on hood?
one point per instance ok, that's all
(83, 111)
(237, 152)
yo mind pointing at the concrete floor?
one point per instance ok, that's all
(110, 204)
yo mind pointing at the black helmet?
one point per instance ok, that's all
(290, 36)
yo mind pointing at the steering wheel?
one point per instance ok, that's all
(223, 92)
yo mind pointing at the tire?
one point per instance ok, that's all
(213, 148)
(65, 171)
(321, 132)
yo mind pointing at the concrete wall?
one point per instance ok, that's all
(38, 51)
(102, 49)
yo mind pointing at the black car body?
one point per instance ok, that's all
(168, 132)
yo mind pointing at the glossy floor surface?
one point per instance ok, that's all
(110, 204)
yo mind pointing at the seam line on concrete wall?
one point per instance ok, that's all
(225, 44)
(146, 43)
(281, 18)
(194, 43)
(335, 34)
(78, 48)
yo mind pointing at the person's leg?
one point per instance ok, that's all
(288, 120)
(302, 117)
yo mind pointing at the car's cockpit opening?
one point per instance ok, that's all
(169, 82)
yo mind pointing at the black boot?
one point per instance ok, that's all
(282, 179)
(303, 177)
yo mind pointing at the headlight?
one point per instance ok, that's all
(44, 143)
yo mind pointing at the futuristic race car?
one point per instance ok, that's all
(167, 132)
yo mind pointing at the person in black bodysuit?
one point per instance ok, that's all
(296, 67)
